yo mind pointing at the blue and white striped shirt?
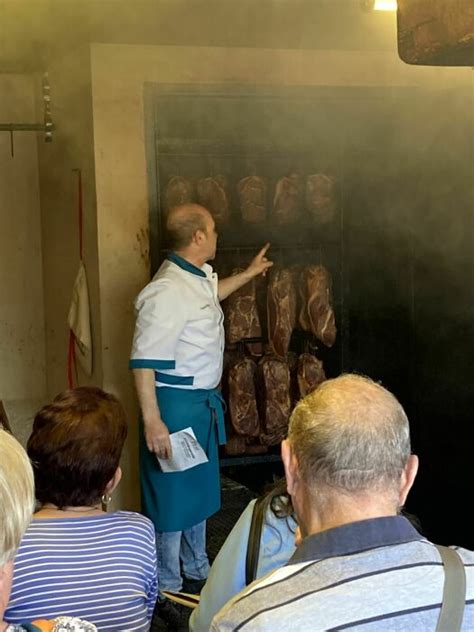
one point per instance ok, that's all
(101, 568)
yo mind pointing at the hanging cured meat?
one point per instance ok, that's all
(288, 199)
(242, 398)
(296, 271)
(241, 314)
(235, 445)
(292, 361)
(281, 310)
(317, 314)
(212, 194)
(310, 374)
(303, 318)
(321, 200)
(256, 448)
(261, 285)
(252, 192)
(179, 190)
(274, 378)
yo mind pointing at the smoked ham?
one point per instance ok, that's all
(252, 192)
(242, 398)
(281, 310)
(321, 199)
(240, 445)
(212, 194)
(179, 190)
(241, 314)
(274, 379)
(235, 445)
(256, 448)
(317, 314)
(310, 374)
(288, 199)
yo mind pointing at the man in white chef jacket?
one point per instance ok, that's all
(177, 358)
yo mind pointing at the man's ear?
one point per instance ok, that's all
(408, 478)
(198, 236)
(290, 464)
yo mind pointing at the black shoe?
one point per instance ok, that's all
(169, 616)
(193, 586)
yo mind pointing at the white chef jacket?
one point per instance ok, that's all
(179, 330)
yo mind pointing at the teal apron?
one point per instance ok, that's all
(175, 501)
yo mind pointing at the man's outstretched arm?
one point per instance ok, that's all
(259, 265)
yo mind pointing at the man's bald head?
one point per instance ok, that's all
(350, 435)
(183, 221)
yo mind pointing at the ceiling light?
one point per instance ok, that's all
(385, 5)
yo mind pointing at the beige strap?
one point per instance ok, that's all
(454, 591)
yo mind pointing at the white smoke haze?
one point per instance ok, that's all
(400, 147)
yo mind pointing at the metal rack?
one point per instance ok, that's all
(197, 155)
(236, 461)
(47, 127)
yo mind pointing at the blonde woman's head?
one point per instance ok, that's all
(16, 495)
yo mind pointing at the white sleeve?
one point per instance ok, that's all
(161, 317)
(227, 575)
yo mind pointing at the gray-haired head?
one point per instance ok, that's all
(350, 435)
(16, 495)
(183, 221)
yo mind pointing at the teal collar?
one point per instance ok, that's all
(185, 265)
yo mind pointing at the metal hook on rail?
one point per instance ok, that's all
(47, 127)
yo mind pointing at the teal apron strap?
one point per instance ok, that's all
(217, 405)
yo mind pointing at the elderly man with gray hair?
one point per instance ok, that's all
(359, 565)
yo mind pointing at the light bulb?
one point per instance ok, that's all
(385, 5)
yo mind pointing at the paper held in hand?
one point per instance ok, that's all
(186, 452)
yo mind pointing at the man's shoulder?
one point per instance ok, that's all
(299, 590)
(466, 555)
(168, 271)
(165, 281)
(268, 589)
(173, 276)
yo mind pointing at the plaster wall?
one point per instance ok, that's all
(71, 150)
(22, 332)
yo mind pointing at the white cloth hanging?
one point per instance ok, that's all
(79, 321)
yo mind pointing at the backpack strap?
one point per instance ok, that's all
(454, 591)
(253, 546)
